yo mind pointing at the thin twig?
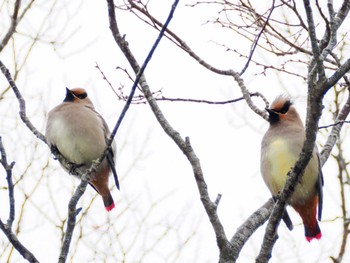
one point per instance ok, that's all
(333, 124)
(255, 94)
(255, 43)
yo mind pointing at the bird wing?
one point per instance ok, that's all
(286, 219)
(111, 151)
(111, 163)
(320, 183)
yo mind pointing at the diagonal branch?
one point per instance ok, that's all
(22, 103)
(255, 42)
(12, 28)
(85, 178)
(184, 145)
(334, 134)
(250, 225)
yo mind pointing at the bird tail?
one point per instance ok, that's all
(108, 201)
(106, 196)
(307, 212)
(312, 232)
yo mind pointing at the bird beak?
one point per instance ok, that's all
(69, 96)
(270, 112)
(273, 116)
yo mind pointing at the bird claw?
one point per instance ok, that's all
(54, 151)
(74, 167)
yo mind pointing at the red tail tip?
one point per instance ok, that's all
(109, 208)
(318, 236)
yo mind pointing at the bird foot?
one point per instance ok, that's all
(74, 167)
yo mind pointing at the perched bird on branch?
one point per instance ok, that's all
(280, 149)
(80, 134)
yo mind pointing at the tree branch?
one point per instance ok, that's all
(255, 43)
(334, 134)
(84, 180)
(12, 28)
(317, 60)
(247, 229)
(7, 228)
(184, 145)
(22, 103)
(72, 213)
(182, 44)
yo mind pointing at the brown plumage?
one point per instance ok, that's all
(280, 149)
(79, 133)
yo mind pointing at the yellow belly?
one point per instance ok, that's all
(279, 159)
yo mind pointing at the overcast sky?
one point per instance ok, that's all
(226, 138)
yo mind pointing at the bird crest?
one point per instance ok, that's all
(281, 104)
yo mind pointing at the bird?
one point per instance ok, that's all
(280, 149)
(79, 133)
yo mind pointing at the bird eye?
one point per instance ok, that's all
(285, 107)
(82, 96)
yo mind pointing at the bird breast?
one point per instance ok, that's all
(77, 131)
(278, 159)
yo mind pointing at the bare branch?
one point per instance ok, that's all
(250, 225)
(12, 28)
(334, 134)
(184, 145)
(72, 213)
(333, 124)
(255, 43)
(85, 178)
(255, 94)
(7, 228)
(22, 103)
(314, 44)
(178, 41)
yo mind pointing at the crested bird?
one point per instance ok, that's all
(79, 133)
(280, 149)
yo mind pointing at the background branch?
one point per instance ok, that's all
(7, 228)
(184, 145)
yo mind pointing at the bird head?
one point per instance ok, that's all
(77, 95)
(282, 110)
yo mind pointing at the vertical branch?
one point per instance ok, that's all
(72, 213)
(314, 46)
(7, 228)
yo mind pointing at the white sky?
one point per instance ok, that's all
(226, 138)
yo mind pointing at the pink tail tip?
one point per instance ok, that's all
(318, 236)
(109, 208)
